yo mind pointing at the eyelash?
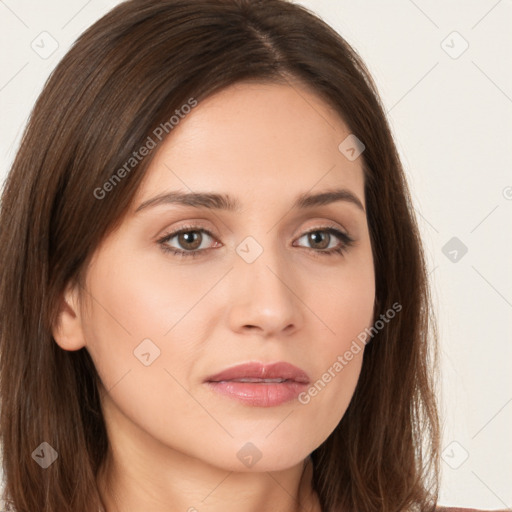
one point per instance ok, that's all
(346, 241)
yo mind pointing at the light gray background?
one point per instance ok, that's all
(451, 114)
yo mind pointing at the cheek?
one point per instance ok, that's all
(347, 307)
(135, 300)
(346, 311)
(125, 319)
(142, 337)
(143, 324)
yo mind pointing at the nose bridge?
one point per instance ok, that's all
(261, 259)
(264, 291)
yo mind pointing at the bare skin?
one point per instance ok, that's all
(174, 441)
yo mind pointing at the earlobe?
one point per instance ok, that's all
(67, 330)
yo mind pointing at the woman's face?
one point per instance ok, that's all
(258, 288)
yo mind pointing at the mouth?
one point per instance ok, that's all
(255, 380)
(260, 372)
(257, 384)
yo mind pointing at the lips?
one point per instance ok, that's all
(261, 373)
(259, 385)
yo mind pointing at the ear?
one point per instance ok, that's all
(67, 330)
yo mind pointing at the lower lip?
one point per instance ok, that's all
(259, 394)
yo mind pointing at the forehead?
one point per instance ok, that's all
(256, 140)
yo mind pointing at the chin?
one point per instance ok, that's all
(268, 455)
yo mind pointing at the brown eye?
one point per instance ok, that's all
(190, 240)
(319, 237)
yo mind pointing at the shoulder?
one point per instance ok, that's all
(458, 509)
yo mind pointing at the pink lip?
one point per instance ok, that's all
(258, 370)
(261, 394)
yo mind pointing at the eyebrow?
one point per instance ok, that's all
(215, 201)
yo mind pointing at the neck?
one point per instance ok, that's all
(196, 489)
(142, 473)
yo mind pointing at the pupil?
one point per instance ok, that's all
(316, 234)
(188, 238)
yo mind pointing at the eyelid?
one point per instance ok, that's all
(345, 240)
(185, 229)
(199, 227)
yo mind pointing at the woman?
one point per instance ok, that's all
(172, 338)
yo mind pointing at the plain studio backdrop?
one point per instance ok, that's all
(443, 71)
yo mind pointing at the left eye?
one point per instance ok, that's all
(191, 238)
(188, 238)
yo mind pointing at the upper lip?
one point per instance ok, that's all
(257, 370)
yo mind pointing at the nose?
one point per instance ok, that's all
(265, 295)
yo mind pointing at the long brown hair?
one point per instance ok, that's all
(121, 80)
